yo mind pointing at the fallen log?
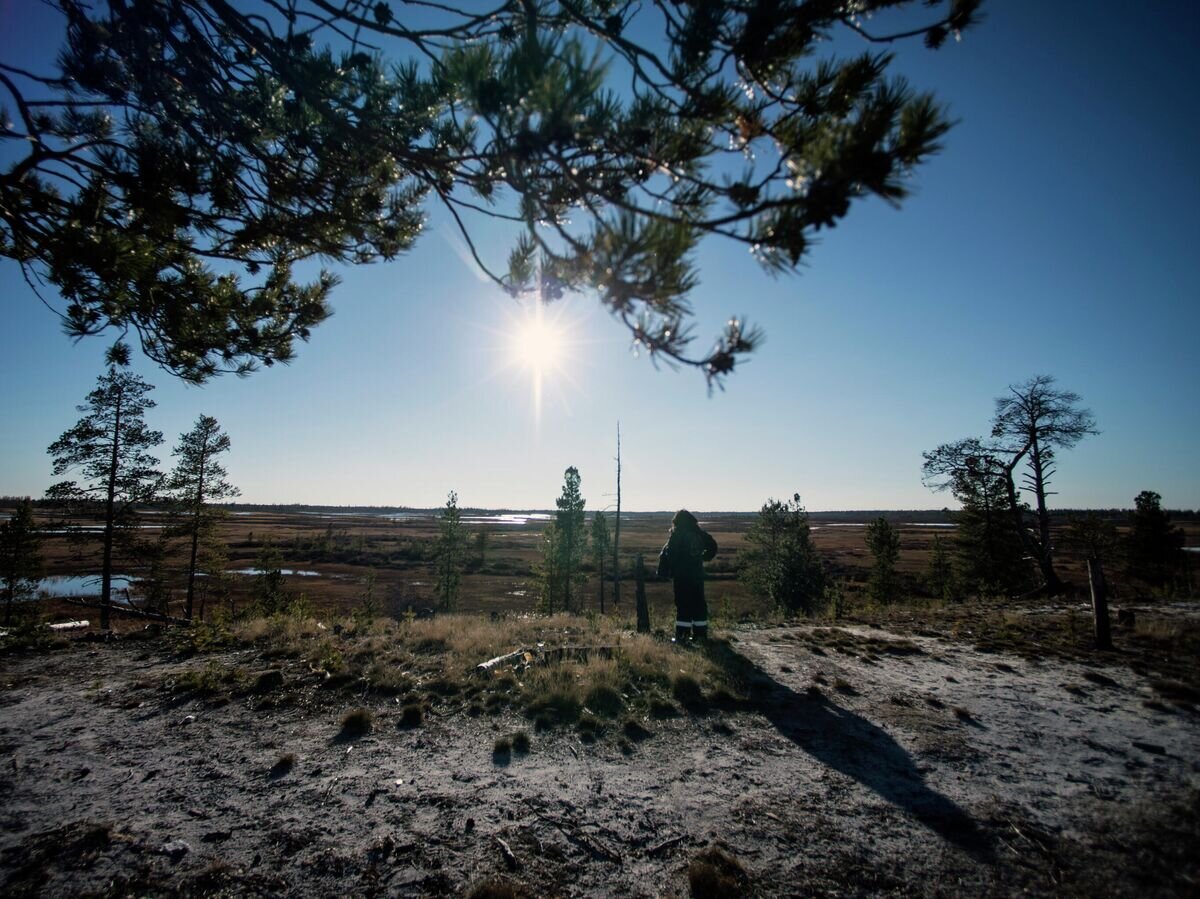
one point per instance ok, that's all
(501, 660)
(550, 656)
(128, 610)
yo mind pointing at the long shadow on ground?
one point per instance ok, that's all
(851, 744)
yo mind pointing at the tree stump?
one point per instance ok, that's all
(643, 611)
(1099, 604)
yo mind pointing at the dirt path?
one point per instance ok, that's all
(1047, 777)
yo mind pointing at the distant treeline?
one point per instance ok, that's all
(916, 516)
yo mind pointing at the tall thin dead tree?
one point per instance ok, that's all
(616, 542)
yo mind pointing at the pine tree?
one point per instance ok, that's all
(781, 563)
(450, 554)
(1032, 422)
(883, 541)
(939, 577)
(601, 546)
(20, 557)
(198, 480)
(989, 554)
(268, 580)
(548, 570)
(181, 161)
(572, 535)
(108, 448)
(1154, 547)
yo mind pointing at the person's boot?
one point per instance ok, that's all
(700, 632)
(682, 634)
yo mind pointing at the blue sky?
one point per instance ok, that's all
(1055, 234)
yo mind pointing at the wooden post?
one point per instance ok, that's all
(1099, 604)
(643, 611)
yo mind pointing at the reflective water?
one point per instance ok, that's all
(81, 585)
(286, 572)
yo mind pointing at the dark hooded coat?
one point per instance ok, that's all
(682, 559)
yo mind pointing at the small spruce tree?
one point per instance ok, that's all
(781, 563)
(198, 481)
(883, 541)
(939, 577)
(20, 557)
(1154, 547)
(449, 554)
(572, 536)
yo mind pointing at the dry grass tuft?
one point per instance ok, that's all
(714, 874)
(634, 730)
(521, 742)
(687, 691)
(412, 715)
(283, 766)
(357, 723)
(604, 700)
(844, 687)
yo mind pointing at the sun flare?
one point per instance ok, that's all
(538, 344)
(541, 344)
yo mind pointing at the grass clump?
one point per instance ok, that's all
(662, 709)
(552, 696)
(714, 874)
(605, 701)
(632, 729)
(686, 689)
(412, 715)
(502, 747)
(357, 723)
(589, 728)
(268, 681)
(521, 742)
(209, 680)
(283, 766)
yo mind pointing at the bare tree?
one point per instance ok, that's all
(616, 541)
(1033, 421)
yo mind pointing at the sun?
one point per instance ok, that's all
(538, 344)
(541, 344)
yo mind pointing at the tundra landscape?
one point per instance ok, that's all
(352, 745)
(400, 494)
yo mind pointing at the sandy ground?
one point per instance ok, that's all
(942, 771)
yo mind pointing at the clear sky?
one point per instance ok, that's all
(1057, 234)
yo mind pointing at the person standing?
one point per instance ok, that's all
(682, 559)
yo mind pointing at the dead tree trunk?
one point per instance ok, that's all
(643, 611)
(1099, 604)
(616, 546)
